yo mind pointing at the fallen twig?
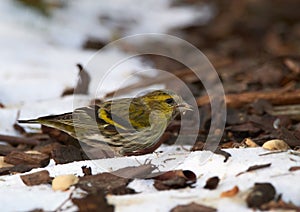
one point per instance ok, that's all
(19, 140)
(276, 97)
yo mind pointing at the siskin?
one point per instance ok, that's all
(127, 126)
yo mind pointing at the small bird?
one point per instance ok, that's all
(126, 126)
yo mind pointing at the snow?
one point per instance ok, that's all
(38, 58)
(277, 174)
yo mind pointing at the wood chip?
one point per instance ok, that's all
(36, 178)
(64, 182)
(3, 164)
(93, 202)
(20, 168)
(6, 149)
(39, 160)
(66, 154)
(105, 182)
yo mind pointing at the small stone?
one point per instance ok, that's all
(64, 182)
(276, 144)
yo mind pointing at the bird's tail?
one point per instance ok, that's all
(29, 121)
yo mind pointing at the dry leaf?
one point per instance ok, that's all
(230, 193)
(174, 179)
(212, 183)
(108, 183)
(250, 143)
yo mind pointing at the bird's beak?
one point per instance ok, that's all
(183, 107)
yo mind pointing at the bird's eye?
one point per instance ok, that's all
(170, 101)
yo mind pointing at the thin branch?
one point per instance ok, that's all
(19, 140)
(276, 97)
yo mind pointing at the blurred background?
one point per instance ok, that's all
(253, 45)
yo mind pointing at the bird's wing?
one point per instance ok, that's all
(125, 114)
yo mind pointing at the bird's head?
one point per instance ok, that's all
(167, 102)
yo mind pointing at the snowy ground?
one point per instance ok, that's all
(43, 196)
(38, 58)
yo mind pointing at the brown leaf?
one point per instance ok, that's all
(212, 183)
(255, 167)
(106, 182)
(192, 207)
(260, 194)
(174, 179)
(93, 203)
(230, 193)
(36, 178)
